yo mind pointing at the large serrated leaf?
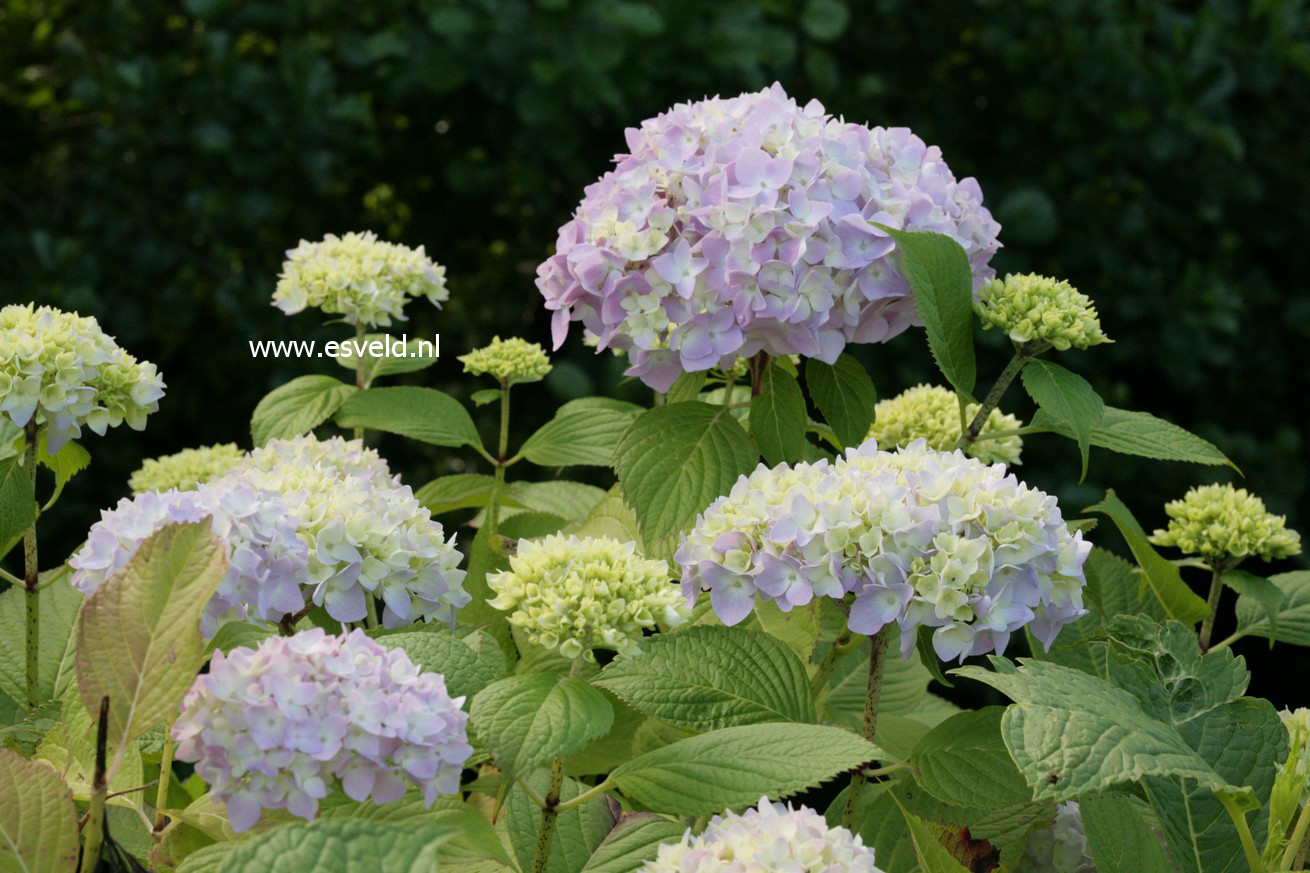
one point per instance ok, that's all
(634, 841)
(845, 396)
(60, 603)
(1293, 625)
(394, 356)
(704, 774)
(933, 856)
(341, 846)
(937, 268)
(1118, 837)
(17, 503)
(1142, 434)
(459, 491)
(1067, 398)
(297, 407)
(676, 459)
(778, 416)
(706, 678)
(38, 821)
(527, 720)
(439, 651)
(422, 414)
(578, 436)
(578, 830)
(964, 761)
(138, 638)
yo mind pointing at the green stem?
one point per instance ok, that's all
(878, 772)
(1226, 642)
(589, 794)
(1296, 847)
(165, 776)
(360, 382)
(1243, 832)
(1212, 601)
(840, 646)
(877, 649)
(371, 611)
(11, 578)
(993, 398)
(32, 581)
(759, 363)
(94, 830)
(1015, 431)
(549, 812)
(501, 462)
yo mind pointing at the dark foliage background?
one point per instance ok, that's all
(157, 158)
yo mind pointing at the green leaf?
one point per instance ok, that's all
(706, 678)
(586, 436)
(938, 271)
(437, 650)
(460, 491)
(799, 629)
(396, 355)
(70, 747)
(778, 416)
(572, 501)
(634, 841)
(928, 655)
(422, 414)
(687, 387)
(676, 459)
(704, 774)
(1259, 590)
(1293, 625)
(1179, 601)
(1067, 398)
(17, 503)
(904, 684)
(297, 407)
(475, 838)
(526, 720)
(933, 856)
(1142, 434)
(611, 517)
(964, 761)
(485, 396)
(844, 394)
(341, 846)
(60, 603)
(65, 464)
(38, 822)
(138, 638)
(237, 634)
(1119, 839)
(579, 831)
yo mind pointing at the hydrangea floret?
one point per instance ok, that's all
(1226, 524)
(1060, 848)
(61, 371)
(185, 470)
(278, 726)
(267, 561)
(735, 226)
(574, 594)
(772, 838)
(509, 361)
(1038, 309)
(365, 281)
(919, 537)
(932, 413)
(367, 534)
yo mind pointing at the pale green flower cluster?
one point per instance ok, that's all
(62, 371)
(932, 413)
(512, 360)
(1221, 522)
(1032, 308)
(358, 277)
(575, 594)
(1297, 722)
(185, 470)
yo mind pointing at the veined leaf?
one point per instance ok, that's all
(964, 761)
(422, 414)
(235, 634)
(526, 720)
(60, 603)
(687, 387)
(65, 464)
(1259, 590)
(933, 856)
(437, 650)
(1119, 839)
(845, 396)
(634, 841)
(1067, 398)
(1293, 625)
(395, 355)
(579, 831)
(297, 407)
(778, 416)
(459, 491)
(38, 822)
(579, 436)
(340, 845)
(17, 503)
(1141, 434)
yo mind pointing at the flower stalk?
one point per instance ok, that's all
(32, 579)
(360, 381)
(877, 664)
(94, 829)
(165, 777)
(1212, 601)
(1022, 355)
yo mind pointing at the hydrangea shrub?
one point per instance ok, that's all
(514, 666)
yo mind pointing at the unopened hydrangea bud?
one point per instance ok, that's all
(1223, 523)
(278, 726)
(1297, 722)
(63, 372)
(577, 594)
(932, 413)
(358, 277)
(185, 470)
(367, 534)
(734, 226)
(771, 838)
(266, 560)
(917, 536)
(510, 360)
(1032, 308)
(1061, 848)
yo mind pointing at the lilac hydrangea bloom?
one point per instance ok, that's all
(266, 560)
(275, 727)
(748, 224)
(919, 537)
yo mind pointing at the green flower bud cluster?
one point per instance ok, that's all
(510, 360)
(1297, 722)
(185, 470)
(932, 413)
(358, 277)
(573, 594)
(1221, 522)
(1032, 308)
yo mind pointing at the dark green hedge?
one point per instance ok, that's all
(157, 159)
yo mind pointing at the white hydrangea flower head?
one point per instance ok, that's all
(358, 277)
(185, 470)
(932, 413)
(267, 561)
(512, 360)
(277, 726)
(920, 537)
(1061, 848)
(576, 594)
(1223, 523)
(1032, 308)
(62, 371)
(367, 535)
(772, 838)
